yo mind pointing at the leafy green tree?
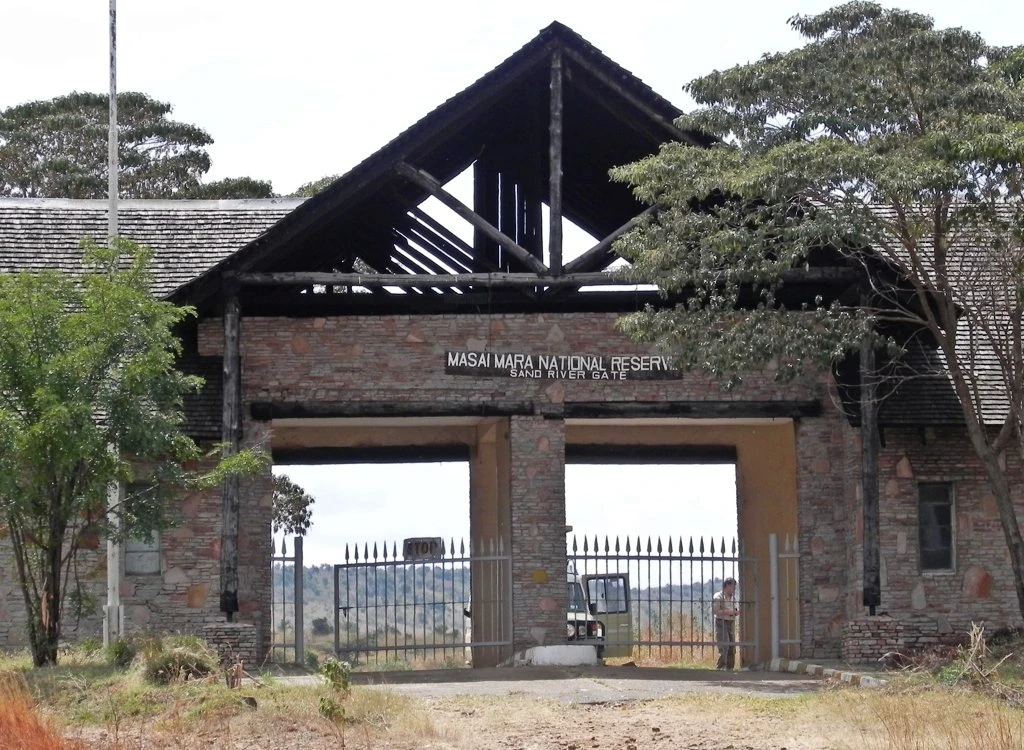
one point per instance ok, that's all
(231, 187)
(87, 364)
(881, 132)
(309, 189)
(57, 148)
(292, 512)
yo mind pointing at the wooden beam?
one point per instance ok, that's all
(378, 454)
(619, 89)
(593, 258)
(418, 232)
(555, 165)
(692, 409)
(456, 242)
(601, 453)
(426, 281)
(869, 438)
(432, 186)
(417, 254)
(230, 429)
(265, 411)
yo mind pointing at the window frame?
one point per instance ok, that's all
(143, 551)
(933, 524)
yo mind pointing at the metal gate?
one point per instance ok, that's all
(389, 609)
(655, 596)
(287, 627)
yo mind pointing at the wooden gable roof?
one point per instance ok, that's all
(371, 217)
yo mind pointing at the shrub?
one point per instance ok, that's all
(121, 652)
(312, 659)
(180, 659)
(338, 675)
(321, 626)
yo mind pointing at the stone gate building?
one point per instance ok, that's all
(356, 325)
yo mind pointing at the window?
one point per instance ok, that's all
(142, 557)
(609, 593)
(935, 525)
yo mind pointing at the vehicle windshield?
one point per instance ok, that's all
(577, 603)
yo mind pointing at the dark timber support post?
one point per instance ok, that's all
(555, 175)
(869, 471)
(231, 416)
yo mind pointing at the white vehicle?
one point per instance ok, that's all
(581, 626)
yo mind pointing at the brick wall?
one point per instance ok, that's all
(400, 359)
(538, 530)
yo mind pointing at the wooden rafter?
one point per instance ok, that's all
(230, 434)
(424, 281)
(634, 100)
(555, 172)
(456, 243)
(600, 256)
(426, 181)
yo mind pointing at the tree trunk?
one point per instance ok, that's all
(45, 651)
(1008, 519)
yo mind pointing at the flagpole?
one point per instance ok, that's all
(113, 618)
(112, 165)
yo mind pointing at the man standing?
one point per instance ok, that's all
(723, 607)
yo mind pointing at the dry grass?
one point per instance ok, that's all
(21, 726)
(928, 720)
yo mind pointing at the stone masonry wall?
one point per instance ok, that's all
(538, 530)
(397, 360)
(980, 586)
(184, 595)
(825, 518)
(400, 359)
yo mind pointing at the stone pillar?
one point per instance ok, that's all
(490, 535)
(537, 483)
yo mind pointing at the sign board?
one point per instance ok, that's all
(423, 548)
(561, 366)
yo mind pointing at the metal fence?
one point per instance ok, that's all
(389, 609)
(392, 609)
(287, 631)
(668, 589)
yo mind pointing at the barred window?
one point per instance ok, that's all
(142, 557)
(935, 525)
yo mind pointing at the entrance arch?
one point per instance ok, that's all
(764, 451)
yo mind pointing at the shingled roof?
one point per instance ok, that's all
(187, 237)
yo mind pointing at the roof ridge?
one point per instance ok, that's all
(154, 204)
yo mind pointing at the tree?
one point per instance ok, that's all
(58, 149)
(887, 141)
(309, 189)
(89, 396)
(292, 514)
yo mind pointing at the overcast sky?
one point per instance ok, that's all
(292, 91)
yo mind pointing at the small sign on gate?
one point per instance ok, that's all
(423, 548)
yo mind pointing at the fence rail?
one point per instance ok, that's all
(671, 584)
(388, 608)
(391, 609)
(287, 634)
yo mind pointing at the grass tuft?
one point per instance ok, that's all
(21, 726)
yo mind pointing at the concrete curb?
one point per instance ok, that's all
(816, 670)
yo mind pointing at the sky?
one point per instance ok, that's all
(366, 504)
(292, 91)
